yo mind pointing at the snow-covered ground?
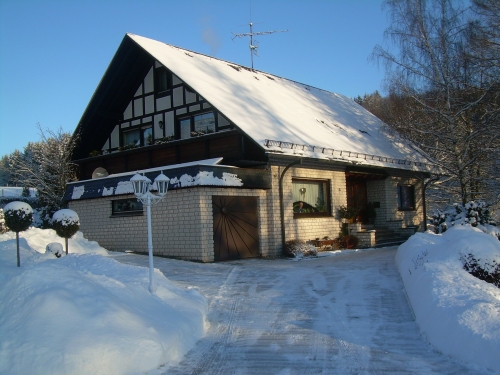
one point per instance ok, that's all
(458, 313)
(343, 312)
(86, 313)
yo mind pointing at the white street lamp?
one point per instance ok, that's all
(142, 185)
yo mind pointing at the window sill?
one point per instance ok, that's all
(128, 214)
(311, 215)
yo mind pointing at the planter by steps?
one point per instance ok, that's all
(322, 243)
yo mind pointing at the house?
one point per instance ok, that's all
(253, 159)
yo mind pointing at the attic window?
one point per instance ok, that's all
(163, 81)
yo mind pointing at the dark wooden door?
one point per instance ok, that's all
(356, 196)
(236, 227)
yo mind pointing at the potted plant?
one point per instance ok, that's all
(325, 241)
(348, 213)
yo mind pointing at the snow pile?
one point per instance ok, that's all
(88, 314)
(37, 239)
(458, 313)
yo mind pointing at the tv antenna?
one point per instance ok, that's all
(254, 45)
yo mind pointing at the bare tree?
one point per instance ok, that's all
(447, 96)
(47, 166)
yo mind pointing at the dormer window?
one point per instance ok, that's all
(163, 81)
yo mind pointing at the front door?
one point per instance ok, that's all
(356, 196)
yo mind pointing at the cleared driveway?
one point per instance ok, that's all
(343, 314)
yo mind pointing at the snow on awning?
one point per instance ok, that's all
(199, 173)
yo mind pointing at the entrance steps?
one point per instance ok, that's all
(383, 236)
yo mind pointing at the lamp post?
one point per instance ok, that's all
(141, 186)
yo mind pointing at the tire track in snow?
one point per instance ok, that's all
(209, 354)
(339, 315)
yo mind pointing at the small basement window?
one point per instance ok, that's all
(124, 207)
(310, 197)
(406, 197)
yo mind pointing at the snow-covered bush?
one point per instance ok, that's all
(3, 227)
(18, 217)
(66, 223)
(487, 270)
(299, 249)
(473, 213)
(55, 248)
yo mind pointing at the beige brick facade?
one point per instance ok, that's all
(182, 223)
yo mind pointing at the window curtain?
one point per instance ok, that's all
(313, 191)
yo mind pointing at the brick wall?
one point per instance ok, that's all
(388, 215)
(306, 228)
(182, 223)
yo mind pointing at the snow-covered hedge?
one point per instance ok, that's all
(475, 213)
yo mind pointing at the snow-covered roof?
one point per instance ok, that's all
(271, 108)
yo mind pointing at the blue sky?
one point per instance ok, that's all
(53, 53)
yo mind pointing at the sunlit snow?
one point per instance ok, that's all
(85, 313)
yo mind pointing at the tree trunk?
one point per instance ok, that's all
(18, 255)
(66, 241)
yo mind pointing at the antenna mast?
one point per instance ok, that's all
(253, 46)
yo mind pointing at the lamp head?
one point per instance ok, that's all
(140, 184)
(161, 182)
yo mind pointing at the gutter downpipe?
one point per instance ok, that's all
(282, 209)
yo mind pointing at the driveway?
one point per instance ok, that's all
(342, 314)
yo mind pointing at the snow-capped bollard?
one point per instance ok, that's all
(66, 223)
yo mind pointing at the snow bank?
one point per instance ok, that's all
(88, 314)
(458, 313)
(38, 239)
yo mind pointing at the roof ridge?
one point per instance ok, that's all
(231, 62)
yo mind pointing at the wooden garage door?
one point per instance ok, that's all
(236, 227)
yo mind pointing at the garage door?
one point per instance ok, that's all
(236, 227)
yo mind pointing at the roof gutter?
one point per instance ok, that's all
(282, 209)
